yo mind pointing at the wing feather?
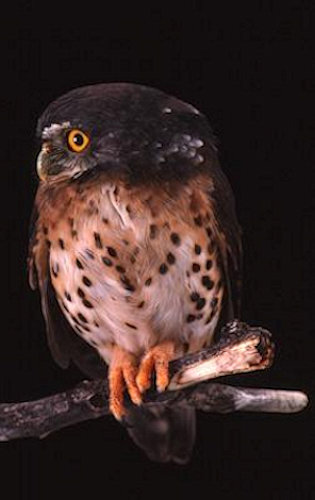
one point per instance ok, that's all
(228, 235)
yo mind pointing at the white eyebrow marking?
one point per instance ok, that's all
(54, 128)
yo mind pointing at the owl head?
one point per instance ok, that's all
(125, 131)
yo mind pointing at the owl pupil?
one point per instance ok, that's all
(78, 139)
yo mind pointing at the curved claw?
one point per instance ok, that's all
(157, 359)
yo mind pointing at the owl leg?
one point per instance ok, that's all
(156, 359)
(122, 374)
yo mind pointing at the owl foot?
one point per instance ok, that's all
(122, 374)
(156, 359)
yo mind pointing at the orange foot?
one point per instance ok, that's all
(156, 358)
(122, 373)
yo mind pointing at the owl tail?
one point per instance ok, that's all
(165, 434)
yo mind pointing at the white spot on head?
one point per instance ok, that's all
(199, 159)
(187, 137)
(54, 129)
(196, 143)
(166, 110)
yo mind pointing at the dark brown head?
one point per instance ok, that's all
(130, 132)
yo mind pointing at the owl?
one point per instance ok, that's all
(135, 247)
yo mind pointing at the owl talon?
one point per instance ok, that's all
(122, 374)
(157, 359)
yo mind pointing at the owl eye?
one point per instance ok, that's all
(77, 140)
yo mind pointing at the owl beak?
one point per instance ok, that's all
(42, 164)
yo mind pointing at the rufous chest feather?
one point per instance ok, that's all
(133, 268)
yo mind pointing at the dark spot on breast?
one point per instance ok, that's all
(55, 269)
(210, 317)
(77, 328)
(48, 243)
(89, 254)
(197, 249)
(81, 293)
(120, 269)
(98, 241)
(96, 324)
(194, 296)
(116, 190)
(82, 318)
(125, 242)
(211, 247)
(87, 303)
(132, 259)
(107, 261)
(153, 231)
(207, 282)
(163, 268)
(175, 239)
(112, 252)
(70, 221)
(170, 258)
(68, 296)
(195, 267)
(209, 232)
(61, 244)
(86, 328)
(214, 302)
(79, 264)
(127, 284)
(86, 281)
(128, 209)
(104, 220)
(190, 318)
(130, 325)
(198, 221)
(148, 282)
(45, 230)
(65, 307)
(208, 264)
(200, 303)
(74, 319)
(74, 233)
(140, 305)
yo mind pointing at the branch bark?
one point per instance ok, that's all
(240, 349)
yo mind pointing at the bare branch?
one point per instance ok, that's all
(240, 349)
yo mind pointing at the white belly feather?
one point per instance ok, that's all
(133, 302)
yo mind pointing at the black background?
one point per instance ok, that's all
(249, 68)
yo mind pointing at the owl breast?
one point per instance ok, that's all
(134, 270)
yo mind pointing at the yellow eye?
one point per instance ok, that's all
(78, 141)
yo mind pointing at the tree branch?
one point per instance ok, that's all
(240, 349)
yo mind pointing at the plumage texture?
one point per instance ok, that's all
(135, 241)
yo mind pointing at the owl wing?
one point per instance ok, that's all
(65, 345)
(228, 237)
